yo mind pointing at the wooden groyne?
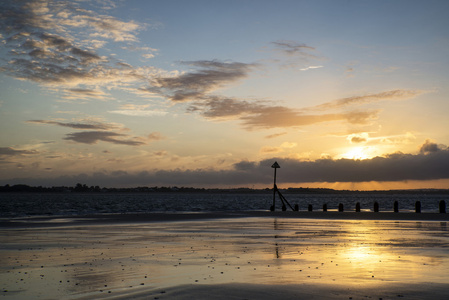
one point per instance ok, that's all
(441, 207)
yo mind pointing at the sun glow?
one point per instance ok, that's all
(358, 153)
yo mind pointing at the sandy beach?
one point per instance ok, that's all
(232, 255)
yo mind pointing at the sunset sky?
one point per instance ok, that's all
(343, 94)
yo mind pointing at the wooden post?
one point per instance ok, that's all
(442, 207)
(357, 207)
(340, 207)
(396, 206)
(376, 206)
(274, 166)
(418, 207)
(324, 207)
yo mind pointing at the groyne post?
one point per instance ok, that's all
(396, 206)
(418, 207)
(310, 208)
(340, 207)
(357, 207)
(296, 207)
(442, 206)
(324, 207)
(376, 206)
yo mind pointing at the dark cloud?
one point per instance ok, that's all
(92, 126)
(429, 147)
(85, 56)
(92, 137)
(394, 167)
(8, 151)
(101, 132)
(194, 85)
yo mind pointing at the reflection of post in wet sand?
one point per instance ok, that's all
(276, 248)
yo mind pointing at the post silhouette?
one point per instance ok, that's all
(275, 166)
(442, 206)
(396, 206)
(418, 207)
(276, 190)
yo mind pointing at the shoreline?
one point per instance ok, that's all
(54, 221)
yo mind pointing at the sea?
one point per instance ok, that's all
(15, 205)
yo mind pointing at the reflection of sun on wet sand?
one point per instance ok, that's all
(221, 258)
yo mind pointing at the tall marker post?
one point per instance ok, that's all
(275, 189)
(274, 166)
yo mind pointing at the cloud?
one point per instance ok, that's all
(429, 147)
(281, 148)
(311, 67)
(194, 85)
(92, 137)
(270, 150)
(8, 151)
(357, 100)
(99, 131)
(262, 115)
(88, 126)
(275, 135)
(155, 136)
(394, 167)
(55, 43)
(79, 93)
(358, 138)
(292, 48)
(137, 111)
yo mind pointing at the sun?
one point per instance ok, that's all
(358, 153)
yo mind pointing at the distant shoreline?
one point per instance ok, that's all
(82, 188)
(101, 219)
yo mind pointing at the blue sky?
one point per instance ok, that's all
(209, 93)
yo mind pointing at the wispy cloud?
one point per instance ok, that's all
(92, 137)
(93, 132)
(87, 126)
(275, 135)
(194, 85)
(311, 68)
(137, 111)
(399, 94)
(296, 55)
(293, 48)
(259, 115)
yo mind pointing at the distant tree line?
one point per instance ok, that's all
(83, 188)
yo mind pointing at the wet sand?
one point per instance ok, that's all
(256, 255)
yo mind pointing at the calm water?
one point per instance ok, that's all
(17, 205)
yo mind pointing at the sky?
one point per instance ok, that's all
(342, 94)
